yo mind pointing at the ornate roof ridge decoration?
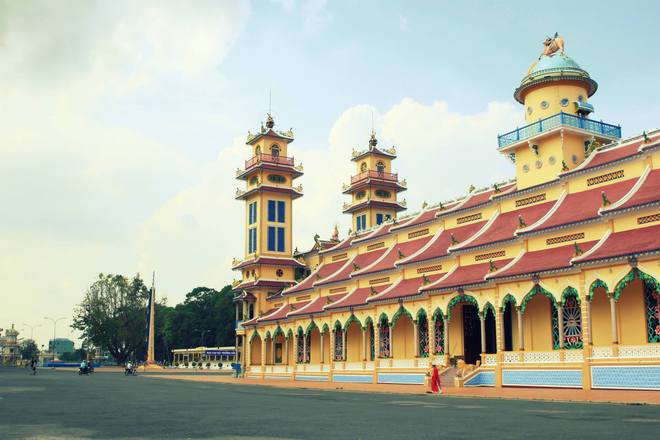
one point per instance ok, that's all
(465, 244)
(421, 250)
(532, 228)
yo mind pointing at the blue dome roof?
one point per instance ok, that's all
(556, 62)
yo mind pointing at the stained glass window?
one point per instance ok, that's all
(439, 343)
(339, 344)
(423, 331)
(572, 323)
(308, 348)
(299, 348)
(371, 341)
(555, 325)
(652, 301)
(384, 333)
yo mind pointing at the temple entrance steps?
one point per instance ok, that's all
(447, 377)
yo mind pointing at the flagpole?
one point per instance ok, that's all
(152, 300)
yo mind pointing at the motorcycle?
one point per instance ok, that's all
(83, 370)
(130, 371)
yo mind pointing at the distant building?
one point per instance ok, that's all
(216, 358)
(9, 351)
(60, 346)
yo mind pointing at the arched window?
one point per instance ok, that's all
(300, 347)
(423, 332)
(439, 342)
(275, 150)
(360, 195)
(383, 194)
(384, 333)
(572, 316)
(276, 178)
(257, 150)
(363, 167)
(339, 343)
(380, 166)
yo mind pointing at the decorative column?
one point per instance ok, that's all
(377, 342)
(615, 327)
(304, 357)
(445, 322)
(322, 348)
(482, 324)
(560, 321)
(286, 350)
(343, 345)
(590, 339)
(416, 337)
(272, 351)
(389, 331)
(263, 354)
(499, 324)
(521, 333)
(364, 344)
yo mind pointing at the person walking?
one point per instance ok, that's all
(436, 387)
(33, 366)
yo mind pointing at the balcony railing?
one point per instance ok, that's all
(554, 121)
(269, 158)
(374, 175)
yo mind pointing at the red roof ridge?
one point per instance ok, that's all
(374, 232)
(265, 317)
(411, 219)
(323, 281)
(547, 215)
(421, 250)
(343, 298)
(376, 261)
(508, 265)
(313, 273)
(441, 279)
(629, 194)
(309, 303)
(394, 284)
(593, 248)
(477, 234)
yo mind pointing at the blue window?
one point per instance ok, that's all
(276, 238)
(271, 210)
(362, 222)
(379, 219)
(252, 240)
(252, 213)
(280, 239)
(280, 211)
(271, 238)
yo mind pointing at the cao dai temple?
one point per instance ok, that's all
(550, 279)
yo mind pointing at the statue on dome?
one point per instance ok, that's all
(553, 45)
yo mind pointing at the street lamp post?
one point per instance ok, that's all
(32, 327)
(54, 321)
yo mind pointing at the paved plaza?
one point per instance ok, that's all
(63, 405)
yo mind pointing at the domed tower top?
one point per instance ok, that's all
(555, 83)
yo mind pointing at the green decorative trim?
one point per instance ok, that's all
(254, 334)
(368, 321)
(420, 312)
(460, 299)
(383, 316)
(533, 292)
(489, 306)
(278, 331)
(350, 320)
(402, 310)
(634, 274)
(437, 313)
(595, 285)
(289, 334)
(300, 331)
(325, 328)
(508, 298)
(267, 335)
(312, 325)
(337, 325)
(569, 292)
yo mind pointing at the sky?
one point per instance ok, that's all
(122, 123)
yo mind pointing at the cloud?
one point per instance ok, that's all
(195, 235)
(76, 183)
(314, 13)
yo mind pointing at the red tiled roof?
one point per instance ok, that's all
(465, 276)
(608, 155)
(281, 313)
(542, 261)
(316, 305)
(357, 297)
(404, 288)
(324, 270)
(505, 225)
(648, 193)
(345, 243)
(442, 241)
(392, 256)
(581, 206)
(623, 244)
(423, 217)
(273, 261)
(262, 283)
(362, 260)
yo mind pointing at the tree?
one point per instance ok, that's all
(74, 356)
(29, 349)
(113, 315)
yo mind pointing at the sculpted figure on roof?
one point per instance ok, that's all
(552, 46)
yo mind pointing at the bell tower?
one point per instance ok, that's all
(374, 187)
(559, 134)
(268, 265)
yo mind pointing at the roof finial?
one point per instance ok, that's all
(270, 123)
(373, 141)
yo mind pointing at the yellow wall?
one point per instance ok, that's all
(315, 349)
(403, 338)
(631, 315)
(456, 331)
(255, 351)
(553, 94)
(537, 324)
(354, 342)
(600, 318)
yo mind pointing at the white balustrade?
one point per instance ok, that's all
(353, 366)
(541, 357)
(313, 367)
(339, 365)
(511, 357)
(325, 367)
(369, 365)
(423, 363)
(573, 356)
(639, 351)
(602, 352)
(403, 363)
(255, 368)
(279, 369)
(490, 360)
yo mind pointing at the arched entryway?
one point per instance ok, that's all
(571, 315)
(314, 341)
(338, 352)
(464, 328)
(326, 343)
(601, 323)
(255, 349)
(384, 334)
(279, 346)
(638, 308)
(353, 331)
(403, 338)
(300, 346)
(490, 331)
(370, 337)
(509, 323)
(540, 320)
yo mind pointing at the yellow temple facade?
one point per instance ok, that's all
(548, 280)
